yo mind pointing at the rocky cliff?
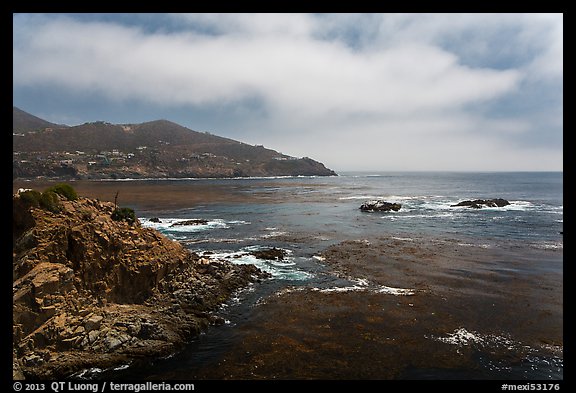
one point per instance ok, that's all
(89, 291)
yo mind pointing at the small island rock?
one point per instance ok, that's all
(479, 203)
(196, 221)
(379, 206)
(274, 253)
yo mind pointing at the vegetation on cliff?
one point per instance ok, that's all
(64, 190)
(91, 291)
(124, 214)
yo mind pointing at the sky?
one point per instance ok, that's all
(358, 92)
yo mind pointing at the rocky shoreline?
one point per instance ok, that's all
(89, 291)
(415, 308)
(93, 292)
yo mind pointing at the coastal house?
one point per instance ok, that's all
(103, 159)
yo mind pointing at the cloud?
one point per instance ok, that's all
(289, 72)
(290, 25)
(445, 143)
(419, 75)
(550, 62)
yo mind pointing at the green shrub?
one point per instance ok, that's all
(65, 190)
(31, 198)
(124, 213)
(49, 201)
(86, 214)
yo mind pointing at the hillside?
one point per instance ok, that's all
(148, 150)
(25, 122)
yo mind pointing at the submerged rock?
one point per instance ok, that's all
(379, 206)
(478, 203)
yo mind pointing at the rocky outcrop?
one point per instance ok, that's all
(479, 203)
(89, 291)
(272, 254)
(379, 206)
(196, 221)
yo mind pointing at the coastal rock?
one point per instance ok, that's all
(17, 373)
(93, 323)
(271, 254)
(479, 203)
(99, 292)
(379, 206)
(155, 219)
(155, 149)
(196, 221)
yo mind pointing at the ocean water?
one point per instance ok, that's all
(305, 215)
(326, 210)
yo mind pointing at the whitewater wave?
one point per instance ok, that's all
(172, 224)
(424, 215)
(361, 284)
(532, 354)
(273, 234)
(441, 206)
(130, 179)
(405, 239)
(285, 269)
(549, 245)
(211, 240)
(479, 245)
(359, 197)
(462, 337)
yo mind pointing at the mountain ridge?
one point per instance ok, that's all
(154, 149)
(25, 122)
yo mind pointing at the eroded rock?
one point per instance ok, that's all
(379, 206)
(99, 292)
(273, 253)
(196, 221)
(479, 203)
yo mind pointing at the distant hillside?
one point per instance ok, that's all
(25, 122)
(154, 149)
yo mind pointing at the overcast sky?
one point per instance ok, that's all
(354, 91)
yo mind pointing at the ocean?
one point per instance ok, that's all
(500, 248)
(329, 206)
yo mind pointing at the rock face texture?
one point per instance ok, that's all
(479, 203)
(89, 291)
(379, 206)
(271, 254)
(197, 221)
